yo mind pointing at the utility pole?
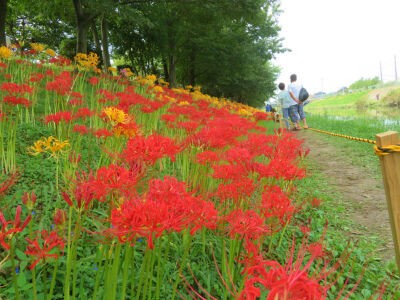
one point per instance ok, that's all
(395, 68)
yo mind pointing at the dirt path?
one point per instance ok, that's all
(363, 196)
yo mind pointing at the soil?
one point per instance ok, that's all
(362, 194)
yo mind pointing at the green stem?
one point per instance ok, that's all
(125, 271)
(14, 275)
(53, 281)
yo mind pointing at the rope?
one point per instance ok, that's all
(344, 136)
(381, 151)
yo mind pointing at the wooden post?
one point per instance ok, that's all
(390, 165)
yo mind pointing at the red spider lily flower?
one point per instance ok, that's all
(36, 77)
(315, 202)
(29, 199)
(279, 169)
(60, 217)
(62, 83)
(259, 144)
(102, 132)
(207, 156)
(8, 182)
(232, 171)
(50, 247)
(65, 116)
(81, 129)
(236, 190)
(6, 233)
(83, 112)
(93, 80)
(13, 100)
(276, 205)
(60, 60)
(260, 115)
(246, 224)
(166, 207)
(149, 149)
(3, 65)
(15, 88)
(294, 280)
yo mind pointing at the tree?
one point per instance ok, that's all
(3, 15)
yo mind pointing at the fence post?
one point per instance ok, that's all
(390, 165)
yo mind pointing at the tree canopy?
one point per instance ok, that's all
(224, 46)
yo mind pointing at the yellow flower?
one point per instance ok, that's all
(49, 145)
(5, 52)
(37, 47)
(183, 103)
(158, 89)
(87, 61)
(116, 116)
(112, 69)
(50, 52)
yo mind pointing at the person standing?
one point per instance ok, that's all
(294, 91)
(288, 105)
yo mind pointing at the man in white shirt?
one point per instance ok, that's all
(294, 91)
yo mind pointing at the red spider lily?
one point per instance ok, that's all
(246, 224)
(102, 132)
(36, 77)
(207, 156)
(107, 95)
(149, 149)
(15, 88)
(276, 205)
(315, 202)
(3, 65)
(6, 233)
(13, 100)
(236, 190)
(50, 241)
(152, 106)
(62, 83)
(166, 207)
(279, 169)
(65, 116)
(81, 129)
(93, 80)
(29, 199)
(259, 144)
(60, 61)
(83, 112)
(232, 171)
(291, 281)
(8, 182)
(115, 181)
(260, 115)
(60, 217)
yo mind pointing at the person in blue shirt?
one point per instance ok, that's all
(289, 108)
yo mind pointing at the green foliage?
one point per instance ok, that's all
(392, 98)
(364, 83)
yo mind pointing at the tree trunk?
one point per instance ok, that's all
(104, 41)
(172, 71)
(3, 15)
(83, 20)
(96, 37)
(166, 73)
(192, 69)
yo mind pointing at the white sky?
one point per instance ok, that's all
(336, 42)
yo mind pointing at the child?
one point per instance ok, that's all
(286, 102)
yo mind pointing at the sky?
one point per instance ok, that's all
(334, 43)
